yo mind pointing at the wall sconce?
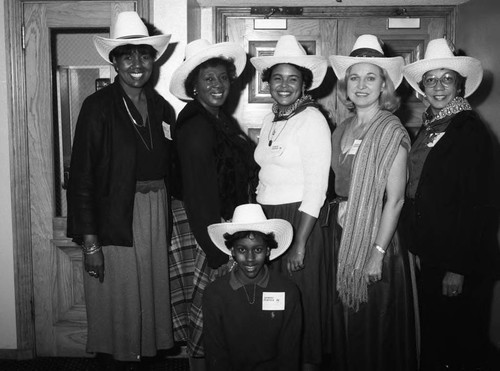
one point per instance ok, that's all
(402, 20)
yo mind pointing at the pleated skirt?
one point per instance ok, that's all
(315, 281)
(189, 275)
(381, 335)
(129, 314)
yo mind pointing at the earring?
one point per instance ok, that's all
(195, 92)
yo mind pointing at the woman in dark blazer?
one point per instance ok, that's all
(118, 201)
(448, 198)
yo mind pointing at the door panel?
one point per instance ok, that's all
(408, 43)
(334, 31)
(60, 318)
(318, 36)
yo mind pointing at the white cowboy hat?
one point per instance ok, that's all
(129, 29)
(439, 54)
(288, 50)
(199, 51)
(250, 217)
(368, 49)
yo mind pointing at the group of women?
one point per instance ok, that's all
(139, 181)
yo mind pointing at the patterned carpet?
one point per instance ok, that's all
(86, 364)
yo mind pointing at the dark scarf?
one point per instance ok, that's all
(284, 113)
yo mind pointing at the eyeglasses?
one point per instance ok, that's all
(446, 80)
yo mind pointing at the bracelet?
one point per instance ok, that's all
(92, 249)
(379, 248)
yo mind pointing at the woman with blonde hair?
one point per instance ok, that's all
(369, 151)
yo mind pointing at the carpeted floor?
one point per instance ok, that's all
(86, 364)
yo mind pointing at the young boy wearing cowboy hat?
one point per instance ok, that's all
(252, 316)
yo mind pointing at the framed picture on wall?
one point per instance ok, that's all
(258, 91)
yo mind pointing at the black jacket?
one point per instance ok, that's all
(446, 222)
(102, 178)
(216, 165)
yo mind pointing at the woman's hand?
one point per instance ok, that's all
(373, 269)
(452, 284)
(225, 268)
(295, 258)
(94, 265)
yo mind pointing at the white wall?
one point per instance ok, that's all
(8, 337)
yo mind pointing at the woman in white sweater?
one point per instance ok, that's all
(294, 154)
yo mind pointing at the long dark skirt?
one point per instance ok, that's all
(381, 335)
(129, 313)
(315, 281)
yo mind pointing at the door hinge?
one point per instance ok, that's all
(23, 39)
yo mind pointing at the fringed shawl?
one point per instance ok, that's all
(370, 171)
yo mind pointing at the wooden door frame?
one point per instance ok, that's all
(20, 176)
(447, 12)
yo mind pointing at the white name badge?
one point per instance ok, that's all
(166, 130)
(355, 147)
(273, 301)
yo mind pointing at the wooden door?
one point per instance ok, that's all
(317, 36)
(332, 31)
(408, 43)
(59, 307)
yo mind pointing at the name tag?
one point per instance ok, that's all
(276, 150)
(166, 130)
(273, 301)
(435, 139)
(355, 147)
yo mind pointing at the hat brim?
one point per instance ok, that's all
(104, 45)
(225, 50)
(393, 66)
(466, 66)
(314, 63)
(283, 233)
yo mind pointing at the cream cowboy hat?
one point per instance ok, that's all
(288, 50)
(439, 54)
(129, 29)
(368, 49)
(250, 217)
(199, 51)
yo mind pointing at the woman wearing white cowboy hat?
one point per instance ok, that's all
(294, 155)
(117, 199)
(449, 175)
(215, 163)
(369, 151)
(253, 315)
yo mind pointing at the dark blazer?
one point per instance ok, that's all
(215, 163)
(102, 179)
(445, 223)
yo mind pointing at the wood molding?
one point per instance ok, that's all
(23, 268)
(448, 12)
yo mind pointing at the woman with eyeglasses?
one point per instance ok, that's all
(446, 212)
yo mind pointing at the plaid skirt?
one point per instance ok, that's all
(189, 275)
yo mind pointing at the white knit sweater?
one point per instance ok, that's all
(295, 167)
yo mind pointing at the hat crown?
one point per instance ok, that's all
(249, 213)
(368, 42)
(128, 25)
(196, 46)
(438, 48)
(288, 46)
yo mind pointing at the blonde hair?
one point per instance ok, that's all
(388, 99)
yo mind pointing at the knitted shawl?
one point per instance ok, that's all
(369, 174)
